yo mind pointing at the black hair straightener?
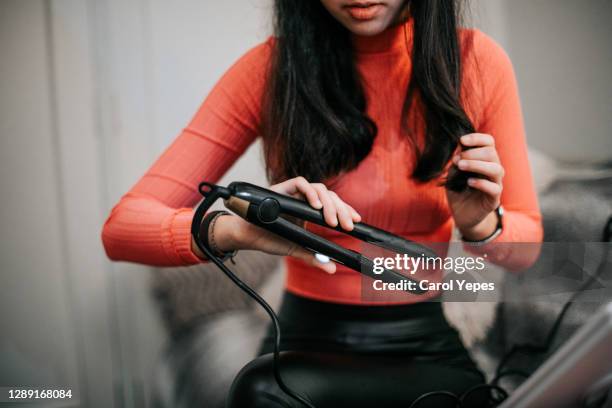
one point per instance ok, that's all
(267, 209)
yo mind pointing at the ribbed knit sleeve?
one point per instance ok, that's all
(151, 223)
(501, 117)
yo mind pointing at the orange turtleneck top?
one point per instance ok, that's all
(151, 223)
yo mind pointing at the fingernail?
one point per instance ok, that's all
(318, 204)
(465, 139)
(322, 258)
(462, 164)
(456, 158)
(471, 181)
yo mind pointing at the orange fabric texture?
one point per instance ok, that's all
(151, 223)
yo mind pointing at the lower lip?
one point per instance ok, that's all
(365, 13)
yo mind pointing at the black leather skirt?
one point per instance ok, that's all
(359, 356)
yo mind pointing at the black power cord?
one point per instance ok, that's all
(275, 323)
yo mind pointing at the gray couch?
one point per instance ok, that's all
(575, 214)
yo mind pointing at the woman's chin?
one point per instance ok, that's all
(367, 28)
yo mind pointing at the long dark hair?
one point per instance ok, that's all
(314, 121)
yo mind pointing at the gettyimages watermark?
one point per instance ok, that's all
(512, 272)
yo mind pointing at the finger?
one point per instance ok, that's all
(309, 258)
(344, 215)
(303, 187)
(284, 186)
(329, 207)
(493, 171)
(299, 196)
(299, 188)
(487, 153)
(477, 139)
(354, 214)
(486, 186)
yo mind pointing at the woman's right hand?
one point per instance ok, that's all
(234, 233)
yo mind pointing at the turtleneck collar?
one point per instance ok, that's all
(395, 38)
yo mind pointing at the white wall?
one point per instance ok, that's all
(91, 92)
(562, 56)
(55, 311)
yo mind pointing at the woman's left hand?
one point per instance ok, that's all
(474, 209)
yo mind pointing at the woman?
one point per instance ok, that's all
(385, 105)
